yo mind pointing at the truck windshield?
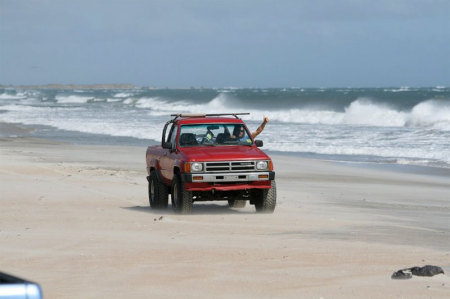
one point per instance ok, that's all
(213, 135)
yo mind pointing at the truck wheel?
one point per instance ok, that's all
(237, 203)
(266, 199)
(157, 192)
(181, 199)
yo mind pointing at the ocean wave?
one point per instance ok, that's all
(363, 111)
(155, 103)
(415, 156)
(18, 108)
(123, 95)
(7, 96)
(160, 106)
(433, 113)
(74, 119)
(73, 99)
(416, 134)
(401, 89)
(30, 111)
(439, 88)
(113, 100)
(360, 112)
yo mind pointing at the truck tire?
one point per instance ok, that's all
(182, 200)
(237, 203)
(266, 199)
(158, 195)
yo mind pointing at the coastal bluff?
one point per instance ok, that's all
(73, 86)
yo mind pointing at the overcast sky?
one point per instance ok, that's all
(239, 43)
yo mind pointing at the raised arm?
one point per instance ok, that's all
(261, 127)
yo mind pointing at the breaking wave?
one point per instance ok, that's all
(160, 106)
(123, 95)
(73, 99)
(432, 114)
(400, 129)
(7, 96)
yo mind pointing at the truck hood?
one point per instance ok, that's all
(224, 153)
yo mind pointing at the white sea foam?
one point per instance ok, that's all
(389, 143)
(110, 100)
(352, 149)
(123, 95)
(401, 89)
(129, 101)
(155, 103)
(7, 96)
(72, 99)
(75, 119)
(432, 113)
(363, 111)
(364, 128)
(159, 106)
(16, 108)
(26, 111)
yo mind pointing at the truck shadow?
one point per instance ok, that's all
(197, 209)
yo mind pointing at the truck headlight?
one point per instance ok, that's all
(262, 165)
(196, 167)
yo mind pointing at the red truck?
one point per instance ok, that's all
(209, 157)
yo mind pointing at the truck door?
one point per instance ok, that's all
(167, 160)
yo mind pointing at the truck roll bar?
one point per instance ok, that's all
(205, 115)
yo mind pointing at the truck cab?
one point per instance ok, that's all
(209, 157)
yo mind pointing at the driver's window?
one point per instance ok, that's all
(173, 136)
(169, 136)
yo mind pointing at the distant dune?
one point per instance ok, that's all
(73, 86)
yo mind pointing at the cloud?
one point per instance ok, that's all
(223, 40)
(137, 19)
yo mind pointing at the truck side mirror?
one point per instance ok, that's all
(167, 145)
(259, 143)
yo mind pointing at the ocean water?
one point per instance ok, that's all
(378, 125)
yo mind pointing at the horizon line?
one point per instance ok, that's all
(133, 86)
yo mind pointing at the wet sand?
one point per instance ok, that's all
(76, 219)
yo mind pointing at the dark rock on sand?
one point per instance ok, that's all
(427, 270)
(401, 275)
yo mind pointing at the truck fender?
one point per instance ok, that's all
(154, 166)
(158, 174)
(178, 164)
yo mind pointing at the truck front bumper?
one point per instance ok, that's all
(227, 181)
(234, 177)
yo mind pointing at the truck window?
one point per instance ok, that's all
(167, 137)
(173, 136)
(214, 134)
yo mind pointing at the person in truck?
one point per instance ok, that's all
(240, 135)
(239, 131)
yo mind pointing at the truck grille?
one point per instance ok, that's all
(230, 166)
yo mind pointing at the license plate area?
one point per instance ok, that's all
(231, 178)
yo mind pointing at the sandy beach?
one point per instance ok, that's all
(76, 219)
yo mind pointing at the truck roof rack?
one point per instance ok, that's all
(206, 115)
